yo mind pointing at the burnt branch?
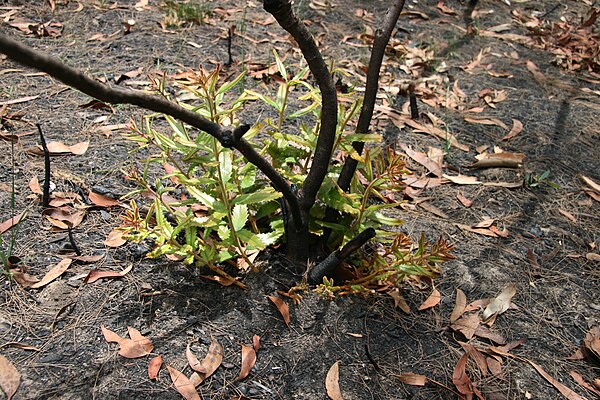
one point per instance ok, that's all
(75, 79)
(282, 11)
(328, 265)
(382, 37)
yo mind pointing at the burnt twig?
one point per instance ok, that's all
(46, 187)
(328, 265)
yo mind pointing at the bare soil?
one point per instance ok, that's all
(544, 253)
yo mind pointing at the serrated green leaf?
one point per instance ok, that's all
(363, 137)
(280, 66)
(229, 85)
(303, 111)
(264, 99)
(387, 220)
(225, 165)
(239, 216)
(202, 197)
(224, 232)
(251, 239)
(264, 195)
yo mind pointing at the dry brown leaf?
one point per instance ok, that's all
(183, 385)
(9, 223)
(462, 381)
(34, 185)
(54, 273)
(515, 130)
(410, 378)
(467, 325)
(96, 274)
(137, 346)
(422, 159)
(499, 304)
(592, 341)
(476, 356)
(248, 361)
(210, 363)
(102, 201)
(486, 121)
(567, 214)
(432, 301)
(115, 238)
(445, 9)
(154, 367)
(61, 148)
(64, 217)
(256, 343)
(590, 182)
(581, 381)
(22, 278)
(480, 231)
(19, 100)
(565, 391)
(499, 160)
(463, 200)
(462, 179)
(10, 378)
(399, 300)
(459, 306)
(332, 382)
(283, 308)
(592, 256)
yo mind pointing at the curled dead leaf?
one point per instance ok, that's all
(283, 308)
(248, 361)
(64, 217)
(332, 382)
(499, 304)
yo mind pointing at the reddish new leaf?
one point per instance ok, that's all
(154, 367)
(183, 385)
(283, 308)
(248, 361)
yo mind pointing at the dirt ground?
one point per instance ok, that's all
(548, 235)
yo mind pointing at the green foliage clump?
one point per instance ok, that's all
(210, 206)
